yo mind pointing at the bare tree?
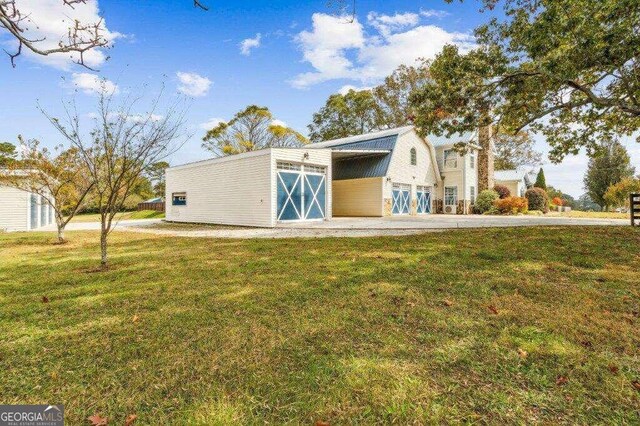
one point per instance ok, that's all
(120, 147)
(57, 176)
(81, 36)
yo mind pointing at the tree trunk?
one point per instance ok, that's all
(103, 249)
(61, 234)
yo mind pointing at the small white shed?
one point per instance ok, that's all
(259, 188)
(23, 211)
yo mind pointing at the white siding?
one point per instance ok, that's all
(232, 190)
(463, 176)
(401, 171)
(318, 157)
(14, 209)
(236, 190)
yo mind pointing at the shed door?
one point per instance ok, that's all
(401, 198)
(424, 199)
(301, 192)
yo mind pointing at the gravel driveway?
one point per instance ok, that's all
(346, 227)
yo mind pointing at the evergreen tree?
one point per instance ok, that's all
(541, 182)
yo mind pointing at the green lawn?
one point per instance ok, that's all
(143, 214)
(522, 325)
(591, 215)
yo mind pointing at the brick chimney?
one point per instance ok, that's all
(485, 159)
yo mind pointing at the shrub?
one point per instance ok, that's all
(502, 191)
(512, 205)
(484, 201)
(557, 201)
(538, 199)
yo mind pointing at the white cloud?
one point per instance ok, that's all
(347, 87)
(211, 123)
(91, 84)
(50, 20)
(386, 24)
(138, 118)
(277, 122)
(250, 43)
(325, 47)
(192, 84)
(339, 49)
(433, 13)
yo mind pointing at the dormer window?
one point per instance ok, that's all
(414, 157)
(450, 159)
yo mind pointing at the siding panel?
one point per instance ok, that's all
(358, 197)
(14, 214)
(229, 191)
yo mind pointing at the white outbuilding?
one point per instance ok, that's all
(23, 211)
(386, 173)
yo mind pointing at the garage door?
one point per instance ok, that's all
(401, 198)
(424, 199)
(301, 192)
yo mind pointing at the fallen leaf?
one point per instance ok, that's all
(447, 302)
(96, 420)
(636, 384)
(613, 368)
(135, 318)
(45, 299)
(561, 380)
(321, 423)
(493, 309)
(522, 353)
(130, 419)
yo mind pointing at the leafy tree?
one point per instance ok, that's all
(156, 174)
(250, 130)
(618, 193)
(585, 203)
(8, 154)
(565, 68)
(541, 181)
(57, 176)
(345, 115)
(513, 151)
(383, 107)
(610, 166)
(117, 151)
(567, 200)
(393, 108)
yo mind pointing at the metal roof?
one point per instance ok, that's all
(360, 138)
(509, 175)
(364, 166)
(440, 141)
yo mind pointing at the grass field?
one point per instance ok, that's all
(144, 214)
(591, 215)
(522, 325)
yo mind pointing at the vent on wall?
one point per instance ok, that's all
(450, 209)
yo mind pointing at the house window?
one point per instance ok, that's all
(179, 199)
(472, 160)
(414, 157)
(451, 195)
(283, 165)
(450, 159)
(472, 195)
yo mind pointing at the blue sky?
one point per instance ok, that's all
(295, 55)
